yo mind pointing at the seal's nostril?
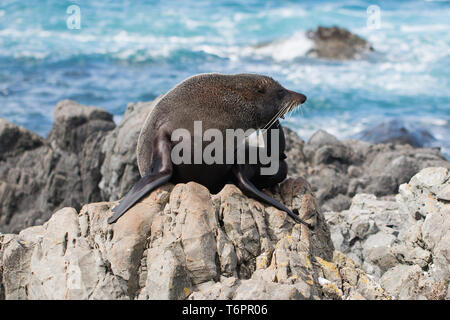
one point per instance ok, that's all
(303, 99)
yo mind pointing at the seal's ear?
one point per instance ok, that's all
(158, 174)
(260, 88)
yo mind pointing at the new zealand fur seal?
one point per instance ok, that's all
(240, 101)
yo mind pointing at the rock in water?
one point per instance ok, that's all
(397, 132)
(181, 242)
(337, 44)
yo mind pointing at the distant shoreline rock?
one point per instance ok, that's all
(329, 43)
(398, 132)
(337, 44)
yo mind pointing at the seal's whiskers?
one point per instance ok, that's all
(285, 109)
(275, 117)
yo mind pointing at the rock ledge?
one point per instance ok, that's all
(181, 242)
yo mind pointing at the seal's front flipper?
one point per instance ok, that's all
(249, 188)
(158, 174)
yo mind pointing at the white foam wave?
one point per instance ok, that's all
(296, 11)
(280, 50)
(283, 50)
(424, 28)
(31, 54)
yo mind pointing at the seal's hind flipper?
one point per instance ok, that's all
(158, 174)
(139, 190)
(249, 188)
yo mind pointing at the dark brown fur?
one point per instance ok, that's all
(241, 101)
(220, 101)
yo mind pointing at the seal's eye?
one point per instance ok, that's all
(281, 93)
(261, 89)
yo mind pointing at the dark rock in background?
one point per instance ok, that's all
(38, 176)
(337, 44)
(14, 140)
(397, 131)
(337, 170)
(84, 159)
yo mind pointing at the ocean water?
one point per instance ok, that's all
(129, 51)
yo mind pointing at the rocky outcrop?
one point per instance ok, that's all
(338, 170)
(403, 242)
(38, 176)
(86, 158)
(181, 242)
(337, 44)
(15, 140)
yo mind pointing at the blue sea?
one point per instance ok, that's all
(129, 51)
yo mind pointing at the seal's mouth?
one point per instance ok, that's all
(291, 107)
(292, 101)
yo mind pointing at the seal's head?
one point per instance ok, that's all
(227, 101)
(264, 99)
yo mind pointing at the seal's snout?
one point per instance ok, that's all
(302, 98)
(298, 97)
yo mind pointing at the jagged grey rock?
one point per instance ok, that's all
(86, 158)
(367, 231)
(405, 243)
(430, 216)
(15, 140)
(214, 257)
(182, 242)
(40, 175)
(338, 170)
